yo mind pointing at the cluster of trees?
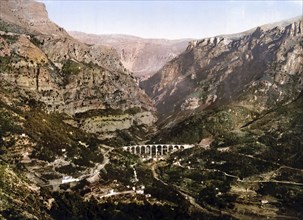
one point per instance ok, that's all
(290, 196)
(72, 206)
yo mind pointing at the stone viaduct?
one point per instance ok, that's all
(155, 150)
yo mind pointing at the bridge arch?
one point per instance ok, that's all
(155, 150)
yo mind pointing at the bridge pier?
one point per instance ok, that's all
(155, 150)
(151, 150)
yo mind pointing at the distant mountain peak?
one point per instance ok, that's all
(143, 57)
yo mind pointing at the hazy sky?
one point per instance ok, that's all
(168, 19)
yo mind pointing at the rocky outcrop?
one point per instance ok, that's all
(28, 17)
(66, 75)
(262, 65)
(143, 57)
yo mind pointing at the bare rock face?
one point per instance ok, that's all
(28, 16)
(262, 67)
(66, 75)
(143, 57)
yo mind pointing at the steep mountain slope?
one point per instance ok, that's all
(241, 104)
(20, 199)
(266, 60)
(51, 170)
(86, 82)
(143, 57)
(245, 168)
(64, 108)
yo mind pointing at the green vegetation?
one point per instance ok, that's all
(217, 196)
(197, 175)
(132, 111)
(290, 196)
(7, 61)
(8, 127)
(246, 150)
(209, 175)
(210, 123)
(76, 208)
(71, 67)
(10, 39)
(282, 133)
(18, 200)
(107, 112)
(119, 167)
(8, 122)
(70, 169)
(99, 112)
(35, 41)
(53, 135)
(120, 170)
(290, 174)
(9, 27)
(4, 63)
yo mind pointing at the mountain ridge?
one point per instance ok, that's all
(141, 56)
(209, 71)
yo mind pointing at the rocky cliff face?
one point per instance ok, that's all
(264, 63)
(86, 82)
(239, 99)
(28, 17)
(143, 57)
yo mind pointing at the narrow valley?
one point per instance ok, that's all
(213, 130)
